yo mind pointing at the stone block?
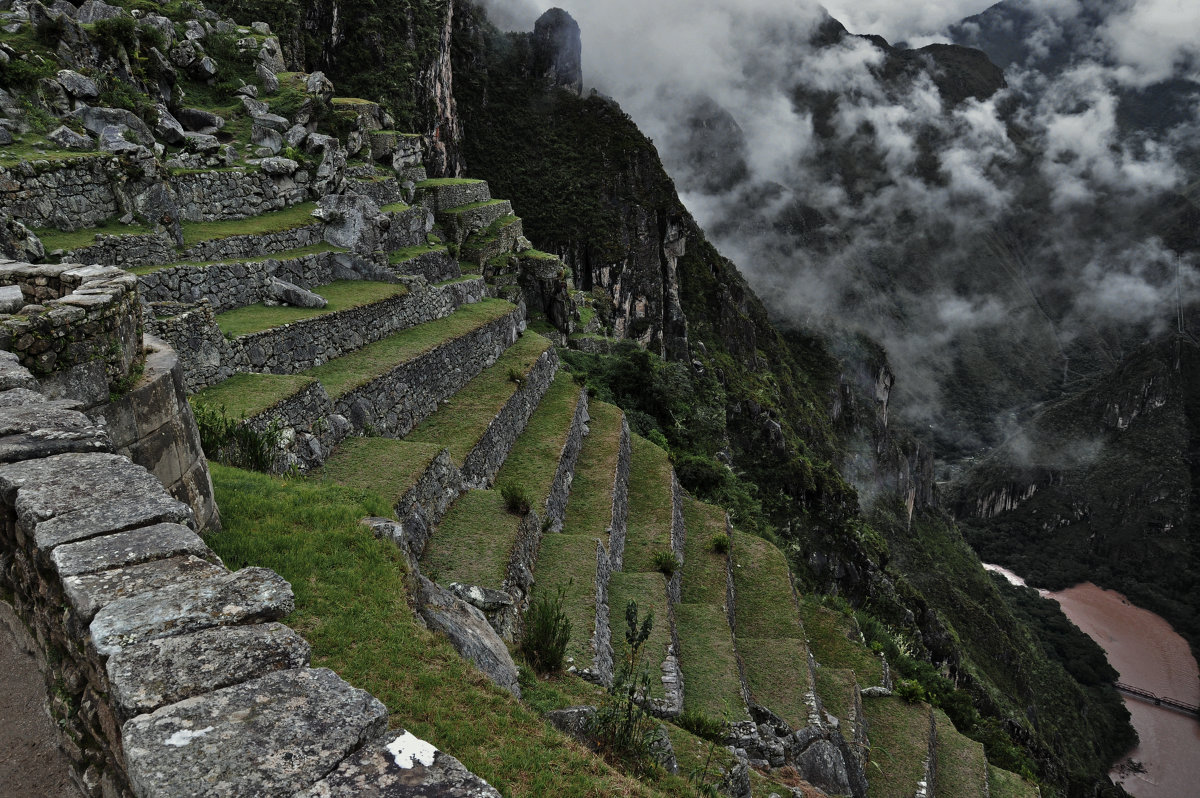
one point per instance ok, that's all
(151, 675)
(272, 736)
(37, 429)
(251, 595)
(157, 542)
(87, 593)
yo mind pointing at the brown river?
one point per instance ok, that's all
(1148, 653)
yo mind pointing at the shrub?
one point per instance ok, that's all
(719, 544)
(516, 498)
(624, 730)
(234, 443)
(910, 690)
(702, 725)
(666, 562)
(547, 632)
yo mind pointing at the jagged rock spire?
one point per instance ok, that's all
(558, 50)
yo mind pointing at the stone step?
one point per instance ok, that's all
(770, 638)
(961, 769)
(496, 239)
(460, 221)
(480, 423)
(441, 194)
(902, 749)
(288, 340)
(707, 652)
(431, 261)
(577, 559)
(482, 540)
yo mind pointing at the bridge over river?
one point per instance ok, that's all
(1158, 701)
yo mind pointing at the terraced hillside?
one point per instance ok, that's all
(387, 344)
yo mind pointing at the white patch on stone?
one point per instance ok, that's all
(409, 751)
(185, 736)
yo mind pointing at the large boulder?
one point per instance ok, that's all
(266, 138)
(270, 55)
(95, 10)
(267, 77)
(351, 221)
(286, 293)
(112, 139)
(68, 139)
(127, 122)
(78, 86)
(202, 143)
(18, 242)
(470, 634)
(199, 121)
(164, 26)
(168, 127)
(318, 85)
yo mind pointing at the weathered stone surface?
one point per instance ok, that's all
(470, 634)
(202, 143)
(823, 766)
(163, 25)
(271, 736)
(11, 298)
(557, 50)
(112, 139)
(127, 122)
(35, 429)
(87, 593)
(251, 595)
(269, 80)
(198, 120)
(401, 765)
(157, 542)
(294, 295)
(68, 139)
(95, 10)
(71, 497)
(351, 221)
(77, 85)
(482, 598)
(160, 672)
(279, 166)
(168, 128)
(318, 84)
(266, 138)
(13, 374)
(576, 722)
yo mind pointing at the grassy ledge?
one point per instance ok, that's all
(569, 562)
(273, 222)
(961, 763)
(899, 745)
(650, 502)
(1003, 784)
(310, 533)
(343, 374)
(383, 466)
(470, 206)
(533, 460)
(589, 509)
(58, 239)
(342, 295)
(473, 542)
(247, 395)
(408, 253)
(395, 207)
(650, 593)
(290, 254)
(710, 670)
(435, 182)
(835, 642)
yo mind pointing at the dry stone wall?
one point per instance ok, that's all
(620, 507)
(129, 251)
(253, 245)
(192, 330)
(237, 193)
(66, 194)
(166, 670)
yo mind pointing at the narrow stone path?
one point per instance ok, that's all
(31, 764)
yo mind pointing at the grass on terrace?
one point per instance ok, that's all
(273, 222)
(710, 670)
(650, 503)
(382, 466)
(473, 541)
(395, 207)
(961, 762)
(836, 688)
(534, 457)
(569, 562)
(408, 253)
(899, 745)
(777, 676)
(343, 374)
(342, 295)
(310, 533)
(703, 570)
(434, 182)
(59, 239)
(589, 511)
(1004, 784)
(764, 605)
(299, 252)
(650, 593)
(836, 644)
(470, 206)
(460, 423)
(247, 395)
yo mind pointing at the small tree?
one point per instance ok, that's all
(623, 728)
(547, 632)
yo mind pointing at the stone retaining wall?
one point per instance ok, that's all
(446, 196)
(192, 330)
(560, 490)
(394, 403)
(253, 245)
(407, 228)
(129, 251)
(152, 425)
(167, 673)
(601, 670)
(620, 506)
(236, 193)
(435, 266)
(420, 510)
(484, 460)
(66, 194)
(678, 535)
(382, 192)
(78, 332)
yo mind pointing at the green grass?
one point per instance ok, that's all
(473, 542)
(58, 239)
(299, 252)
(835, 642)
(533, 460)
(408, 253)
(537, 254)
(470, 206)
(382, 466)
(650, 502)
(247, 395)
(460, 423)
(589, 509)
(343, 374)
(899, 745)
(351, 605)
(836, 688)
(273, 222)
(395, 207)
(1004, 784)
(569, 562)
(704, 572)
(342, 295)
(710, 670)
(650, 593)
(961, 763)
(765, 605)
(777, 676)
(587, 314)
(434, 182)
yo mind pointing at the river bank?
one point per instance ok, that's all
(1149, 654)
